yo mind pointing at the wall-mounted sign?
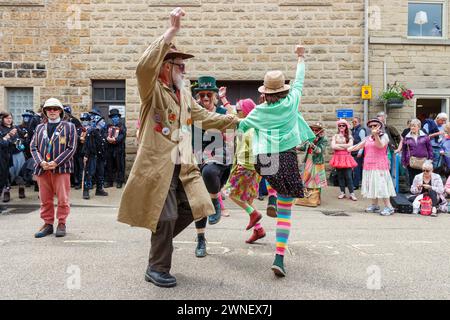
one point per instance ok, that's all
(366, 92)
(344, 113)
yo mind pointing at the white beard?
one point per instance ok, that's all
(178, 82)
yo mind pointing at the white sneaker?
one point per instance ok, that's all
(353, 197)
(415, 211)
(373, 208)
(387, 211)
(341, 196)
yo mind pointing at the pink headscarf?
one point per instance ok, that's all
(247, 105)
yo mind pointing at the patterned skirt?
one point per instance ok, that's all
(243, 184)
(282, 172)
(314, 175)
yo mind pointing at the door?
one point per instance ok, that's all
(107, 94)
(430, 108)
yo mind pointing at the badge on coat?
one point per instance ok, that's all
(158, 128)
(62, 139)
(172, 117)
(165, 131)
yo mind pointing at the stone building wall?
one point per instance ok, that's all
(421, 65)
(58, 47)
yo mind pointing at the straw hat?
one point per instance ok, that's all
(274, 82)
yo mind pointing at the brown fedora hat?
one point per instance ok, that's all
(174, 53)
(318, 125)
(274, 82)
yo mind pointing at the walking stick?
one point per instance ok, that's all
(82, 177)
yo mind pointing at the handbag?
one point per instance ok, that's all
(415, 162)
(311, 199)
(425, 206)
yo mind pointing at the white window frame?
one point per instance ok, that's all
(444, 19)
(17, 119)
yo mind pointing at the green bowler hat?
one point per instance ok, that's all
(206, 83)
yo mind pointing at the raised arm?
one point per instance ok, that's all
(150, 63)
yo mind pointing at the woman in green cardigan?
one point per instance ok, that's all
(279, 129)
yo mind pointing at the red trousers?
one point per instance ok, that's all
(51, 184)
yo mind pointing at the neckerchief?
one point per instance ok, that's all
(50, 142)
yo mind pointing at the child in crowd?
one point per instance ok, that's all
(244, 181)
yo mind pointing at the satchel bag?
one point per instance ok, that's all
(415, 162)
(311, 199)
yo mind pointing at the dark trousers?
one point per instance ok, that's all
(76, 177)
(89, 172)
(115, 165)
(412, 173)
(95, 169)
(345, 179)
(357, 172)
(176, 215)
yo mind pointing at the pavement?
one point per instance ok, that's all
(336, 251)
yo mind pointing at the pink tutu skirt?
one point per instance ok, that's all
(342, 159)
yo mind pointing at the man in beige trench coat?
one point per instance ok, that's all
(165, 191)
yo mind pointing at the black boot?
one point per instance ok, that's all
(160, 279)
(101, 192)
(200, 251)
(86, 194)
(6, 196)
(108, 185)
(119, 185)
(21, 192)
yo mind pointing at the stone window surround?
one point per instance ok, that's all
(444, 19)
(409, 41)
(443, 94)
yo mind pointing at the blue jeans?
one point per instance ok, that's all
(436, 156)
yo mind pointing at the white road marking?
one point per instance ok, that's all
(89, 241)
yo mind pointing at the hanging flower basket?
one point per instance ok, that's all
(395, 95)
(394, 103)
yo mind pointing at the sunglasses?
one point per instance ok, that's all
(182, 66)
(373, 126)
(203, 94)
(52, 109)
(342, 126)
(426, 170)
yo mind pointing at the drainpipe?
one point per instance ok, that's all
(366, 56)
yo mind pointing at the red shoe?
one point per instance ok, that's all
(257, 234)
(255, 216)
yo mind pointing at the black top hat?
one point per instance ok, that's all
(114, 112)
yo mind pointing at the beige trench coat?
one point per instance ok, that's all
(165, 133)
